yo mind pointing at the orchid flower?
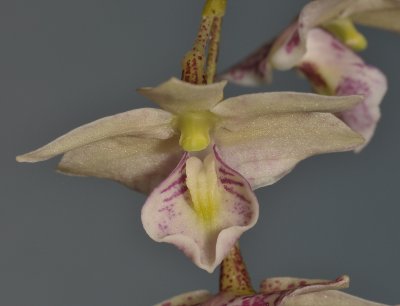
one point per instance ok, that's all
(221, 150)
(279, 291)
(320, 43)
(235, 290)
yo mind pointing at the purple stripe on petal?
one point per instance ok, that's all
(230, 182)
(178, 181)
(177, 193)
(232, 191)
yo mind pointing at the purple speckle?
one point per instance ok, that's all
(293, 42)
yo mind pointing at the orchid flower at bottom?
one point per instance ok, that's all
(236, 290)
(224, 149)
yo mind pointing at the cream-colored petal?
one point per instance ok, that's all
(302, 285)
(144, 122)
(260, 104)
(320, 12)
(266, 148)
(312, 15)
(316, 13)
(202, 207)
(335, 69)
(177, 96)
(187, 299)
(388, 19)
(139, 163)
(327, 298)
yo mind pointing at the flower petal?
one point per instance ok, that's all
(299, 285)
(288, 54)
(304, 292)
(387, 19)
(314, 14)
(337, 70)
(327, 298)
(177, 96)
(256, 69)
(187, 299)
(253, 70)
(266, 148)
(202, 207)
(144, 122)
(320, 12)
(260, 104)
(139, 163)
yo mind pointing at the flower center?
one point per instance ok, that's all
(195, 130)
(202, 183)
(345, 30)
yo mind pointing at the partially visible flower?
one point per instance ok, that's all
(328, 61)
(337, 17)
(235, 290)
(226, 149)
(280, 291)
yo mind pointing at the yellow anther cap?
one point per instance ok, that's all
(195, 130)
(345, 30)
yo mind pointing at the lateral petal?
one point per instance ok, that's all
(301, 285)
(177, 96)
(320, 12)
(202, 207)
(260, 104)
(386, 19)
(335, 69)
(266, 148)
(139, 163)
(144, 122)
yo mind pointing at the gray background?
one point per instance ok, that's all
(73, 241)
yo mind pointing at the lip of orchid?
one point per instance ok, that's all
(202, 207)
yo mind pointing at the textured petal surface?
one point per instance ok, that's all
(266, 148)
(139, 163)
(388, 19)
(177, 96)
(202, 207)
(256, 105)
(327, 298)
(301, 285)
(333, 68)
(144, 122)
(187, 299)
(322, 11)
(287, 291)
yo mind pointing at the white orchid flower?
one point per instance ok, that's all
(280, 291)
(221, 150)
(329, 62)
